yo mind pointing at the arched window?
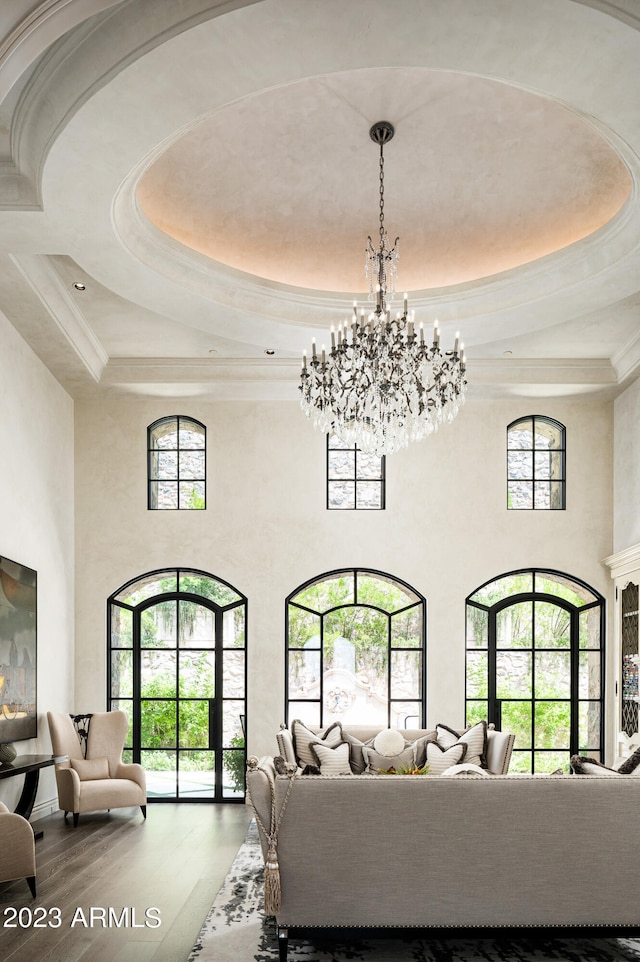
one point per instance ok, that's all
(356, 650)
(535, 663)
(177, 667)
(536, 449)
(177, 464)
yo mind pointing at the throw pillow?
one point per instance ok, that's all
(377, 763)
(475, 738)
(331, 760)
(583, 765)
(303, 736)
(440, 759)
(89, 769)
(420, 749)
(356, 758)
(389, 741)
(631, 765)
(472, 771)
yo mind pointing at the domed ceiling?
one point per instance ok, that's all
(480, 177)
(186, 190)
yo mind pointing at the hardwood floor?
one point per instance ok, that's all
(174, 863)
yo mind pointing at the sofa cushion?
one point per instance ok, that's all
(377, 763)
(89, 769)
(440, 759)
(331, 760)
(303, 736)
(475, 738)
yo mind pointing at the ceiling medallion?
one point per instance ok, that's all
(381, 385)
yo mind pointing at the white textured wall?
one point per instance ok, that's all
(266, 530)
(626, 469)
(37, 524)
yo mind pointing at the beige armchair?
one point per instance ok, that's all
(17, 848)
(95, 778)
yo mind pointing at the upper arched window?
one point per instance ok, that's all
(536, 449)
(356, 651)
(177, 464)
(535, 665)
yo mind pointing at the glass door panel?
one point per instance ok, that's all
(161, 771)
(196, 777)
(552, 727)
(552, 625)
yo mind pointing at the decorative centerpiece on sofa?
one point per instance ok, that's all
(472, 846)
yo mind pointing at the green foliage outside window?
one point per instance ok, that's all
(533, 666)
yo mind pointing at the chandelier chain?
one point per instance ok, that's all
(382, 385)
(381, 197)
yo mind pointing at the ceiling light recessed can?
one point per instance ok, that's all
(269, 351)
(79, 286)
(213, 350)
(507, 353)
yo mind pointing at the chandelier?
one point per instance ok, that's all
(381, 384)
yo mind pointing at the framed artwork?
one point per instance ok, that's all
(18, 651)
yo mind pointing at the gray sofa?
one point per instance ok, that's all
(419, 851)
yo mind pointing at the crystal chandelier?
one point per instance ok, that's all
(381, 385)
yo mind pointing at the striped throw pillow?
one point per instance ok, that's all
(331, 761)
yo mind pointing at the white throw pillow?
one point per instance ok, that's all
(389, 741)
(474, 771)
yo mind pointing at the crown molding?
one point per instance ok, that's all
(63, 311)
(624, 562)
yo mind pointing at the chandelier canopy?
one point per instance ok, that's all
(381, 384)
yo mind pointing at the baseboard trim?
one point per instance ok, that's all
(42, 809)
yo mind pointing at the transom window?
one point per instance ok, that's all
(536, 449)
(356, 651)
(534, 667)
(355, 479)
(177, 464)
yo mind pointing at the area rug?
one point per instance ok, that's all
(236, 930)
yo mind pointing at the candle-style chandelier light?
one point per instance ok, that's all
(381, 384)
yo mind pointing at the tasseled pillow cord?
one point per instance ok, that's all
(272, 889)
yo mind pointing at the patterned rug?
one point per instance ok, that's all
(236, 930)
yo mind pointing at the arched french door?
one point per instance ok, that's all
(355, 650)
(177, 667)
(535, 665)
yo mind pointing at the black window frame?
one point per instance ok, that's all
(420, 601)
(132, 704)
(494, 704)
(532, 419)
(355, 480)
(179, 419)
